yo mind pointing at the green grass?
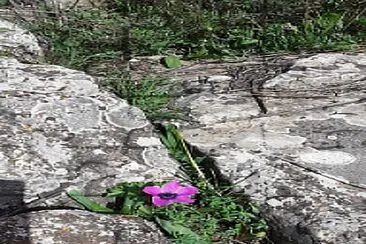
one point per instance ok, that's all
(322, 33)
(150, 94)
(196, 29)
(4, 3)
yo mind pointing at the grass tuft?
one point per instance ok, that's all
(150, 94)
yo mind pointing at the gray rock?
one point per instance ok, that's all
(59, 132)
(304, 160)
(219, 78)
(62, 4)
(65, 4)
(72, 226)
(19, 43)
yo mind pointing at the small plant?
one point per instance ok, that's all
(150, 94)
(172, 61)
(192, 212)
(4, 3)
(323, 33)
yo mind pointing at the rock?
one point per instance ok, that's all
(75, 226)
(63, 4)
(66, 4)
(304, 159)
(19, 43)
(59, 132)
(219, 78)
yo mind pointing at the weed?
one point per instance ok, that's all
(322, 33)
(196, 29)
(5, 53)
(171, 61)
(83, 37)
(150, 94)
(4, 3)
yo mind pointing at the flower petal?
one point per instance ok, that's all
(152, 190)
(187, 190)
(171, 187)
(157, 201)
(184, 199)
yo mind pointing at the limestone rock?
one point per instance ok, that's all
(73, 226)
(304, 159)
(60, 130)
(19, 43)
(65, 4)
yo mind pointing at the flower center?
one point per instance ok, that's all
(167, 195)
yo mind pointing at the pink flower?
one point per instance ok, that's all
(171, 192)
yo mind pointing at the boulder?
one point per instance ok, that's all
(76, 226)
(59, 131)
(61, 4)
(19, 43)
(295, 143)
(65, 4)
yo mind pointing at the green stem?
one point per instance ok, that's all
(194, 164)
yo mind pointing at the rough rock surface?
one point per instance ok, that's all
(295, 143)
(59, 131)
(63, 4)
(19, 43)
(75, 226)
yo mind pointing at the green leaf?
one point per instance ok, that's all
(128, 206)
(4, 30)
(169, 139)
(201, 53)
(4, 3)
(361, 21)
(261, 235)
(249, 41)
(145, 212)
(114, 193)
(87, 203)
(172, 62)
(178, 230)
